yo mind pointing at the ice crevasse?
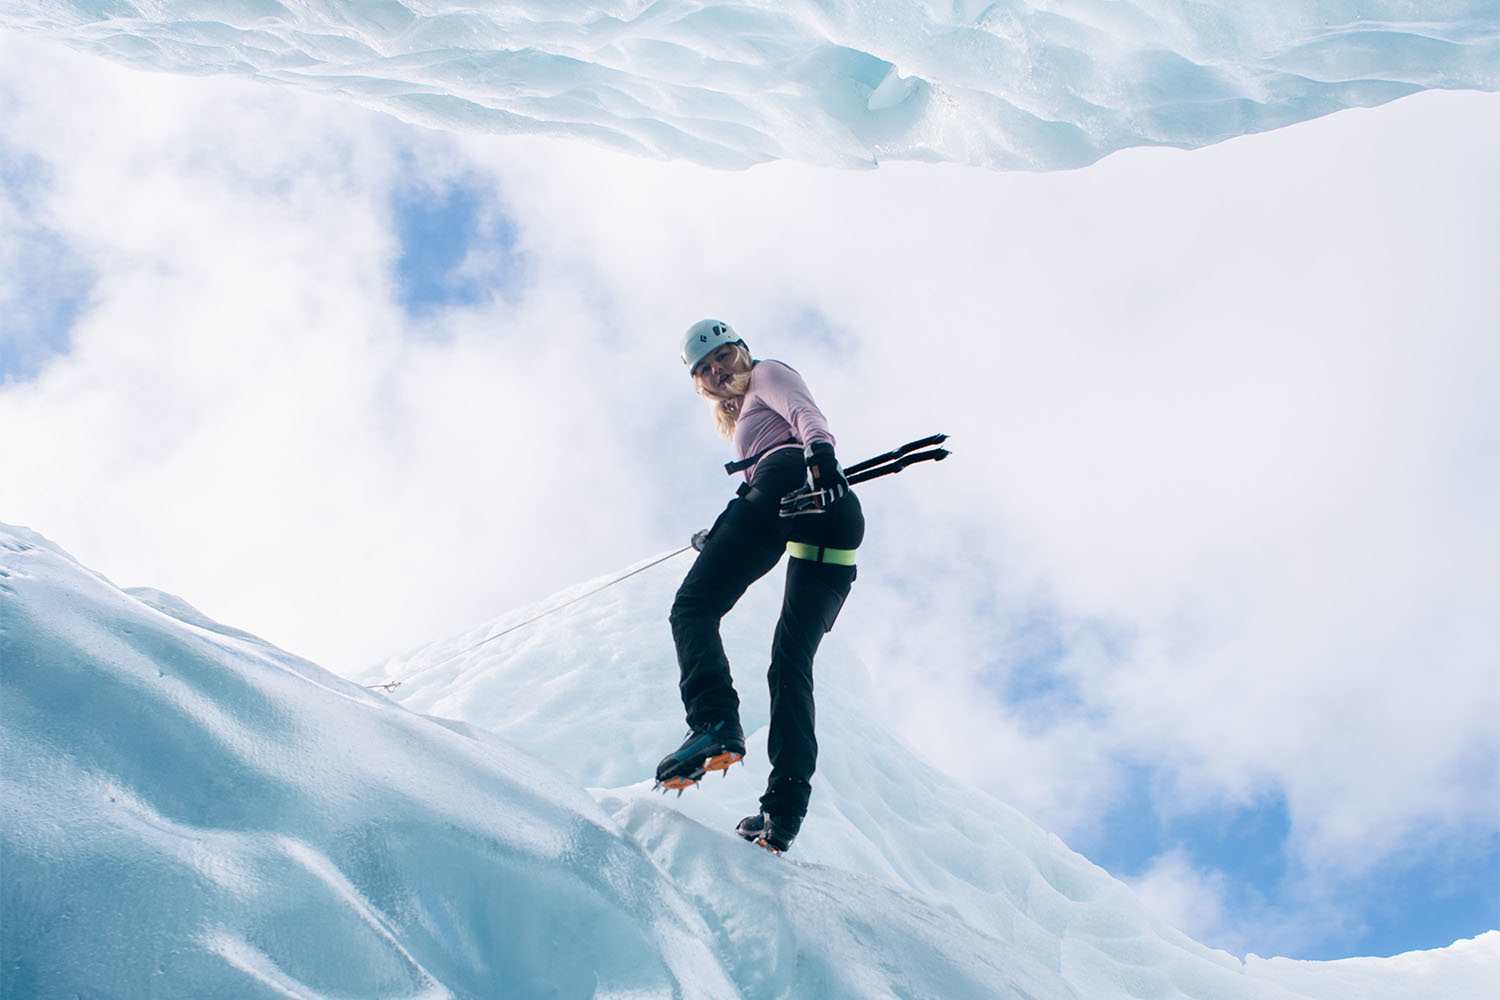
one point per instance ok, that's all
(1019, 84)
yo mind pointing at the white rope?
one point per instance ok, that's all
(389, 686)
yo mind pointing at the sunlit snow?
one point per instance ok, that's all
(1037, 85)
(191, 812)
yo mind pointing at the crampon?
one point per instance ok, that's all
(770, 832)
(712, 747)
(681, 782)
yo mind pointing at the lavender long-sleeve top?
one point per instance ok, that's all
(777, 406)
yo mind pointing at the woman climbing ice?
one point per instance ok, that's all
(782, 440)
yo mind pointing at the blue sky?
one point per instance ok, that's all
(49, 282)
(547, 241)
(1425, 901)
(1446, 893)
(457, 245)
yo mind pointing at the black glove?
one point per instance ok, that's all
(826, 475)
(699, 537)
(828, 484)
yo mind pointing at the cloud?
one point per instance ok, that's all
(1219, 416)
(1224, 454)
(246, 415)
(1204, 903)
(1191, 899)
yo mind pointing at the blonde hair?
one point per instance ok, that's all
(726, 402)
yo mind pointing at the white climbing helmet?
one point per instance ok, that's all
(703, 337)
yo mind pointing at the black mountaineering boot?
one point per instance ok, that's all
(774, 833)
(713, 748)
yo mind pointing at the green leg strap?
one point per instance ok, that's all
(820, 553)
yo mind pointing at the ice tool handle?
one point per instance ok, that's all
(810, 501)
(905, 449)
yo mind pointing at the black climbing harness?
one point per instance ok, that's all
(745, 463)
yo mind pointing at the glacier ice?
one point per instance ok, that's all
(593, 686)
(1023, 84)
(192, 812)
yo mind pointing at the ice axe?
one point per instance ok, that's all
(810, 501)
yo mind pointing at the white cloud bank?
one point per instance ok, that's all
(1223, 421)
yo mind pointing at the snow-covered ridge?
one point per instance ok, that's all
(592, 685)
(191, 812)
(1024, 84)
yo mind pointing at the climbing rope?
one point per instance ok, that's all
(389, 686)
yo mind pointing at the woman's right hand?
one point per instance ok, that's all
(826, 474)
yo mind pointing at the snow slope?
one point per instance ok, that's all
(1017, 84)
(593, 687)
(191, 812)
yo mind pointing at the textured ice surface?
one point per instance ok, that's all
(191, 812)
(593, 688)
(1023, 84)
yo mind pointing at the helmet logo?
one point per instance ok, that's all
(702, 338)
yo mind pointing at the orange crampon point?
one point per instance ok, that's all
(723, 762)
(680, 784)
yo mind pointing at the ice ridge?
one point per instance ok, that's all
(1016, 85)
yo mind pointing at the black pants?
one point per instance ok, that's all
(746, 541)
